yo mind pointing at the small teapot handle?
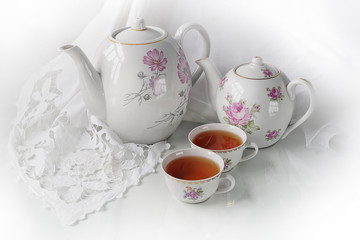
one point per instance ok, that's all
(179, 36)
(291, 91)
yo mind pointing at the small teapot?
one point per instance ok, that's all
(145, 82)
(256, 97)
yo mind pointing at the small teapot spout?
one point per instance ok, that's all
(213, 77)
(90, 81)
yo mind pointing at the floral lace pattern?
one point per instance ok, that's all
(71, 161)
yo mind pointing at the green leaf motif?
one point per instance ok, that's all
(251, 123)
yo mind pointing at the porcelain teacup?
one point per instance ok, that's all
(232, 156)
(196, 191)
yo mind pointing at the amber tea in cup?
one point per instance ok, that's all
(228, 141)
(192, 168)
(217, 140)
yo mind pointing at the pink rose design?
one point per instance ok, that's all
(183, 70)
(238, 114)
(267, 73)
(156, 85)
(222, 82)
(272, 134)
(155, 60)
(275, 93)
(193, 195)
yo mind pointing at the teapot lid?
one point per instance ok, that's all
(256, 70)
(138, 34)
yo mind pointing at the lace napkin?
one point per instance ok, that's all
(71, 160)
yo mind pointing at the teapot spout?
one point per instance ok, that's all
(90, 82)
(213, 77)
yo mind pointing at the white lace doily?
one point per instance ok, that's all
(72, 162)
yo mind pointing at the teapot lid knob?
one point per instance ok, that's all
(257, 61)
(138, 34)
(138, 24)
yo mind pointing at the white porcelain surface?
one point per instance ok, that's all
(143, 86)
(231, 157)
(257, 98)
(196, 191)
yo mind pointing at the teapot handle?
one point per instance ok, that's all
(179, 36)
(291, 91)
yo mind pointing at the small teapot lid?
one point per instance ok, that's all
(256, 70)
(139, 34)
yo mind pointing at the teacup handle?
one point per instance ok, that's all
(291, 91)
(179, 36)
(226, 184)
(253, 154)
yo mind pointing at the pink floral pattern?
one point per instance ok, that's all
(267, 72)
(184, 75)
(157, 85)
(272, 134)
(193, 193)
(153, 84)
(183, 70)
(183, 67)
(222, 82)
(181, 53)
(256, 108)
(155, 60)
(238, 114)
(275, 94)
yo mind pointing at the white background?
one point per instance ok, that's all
(318, 40)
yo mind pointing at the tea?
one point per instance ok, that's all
(192, 168)
(217, 140)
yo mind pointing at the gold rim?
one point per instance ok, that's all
(192, 181)
(138, 29)
(223, 151)
(307, 82)
(229, 150)
(279, 72)
(111, 39)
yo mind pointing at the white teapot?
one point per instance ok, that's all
(145, 82)
(256, 97)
